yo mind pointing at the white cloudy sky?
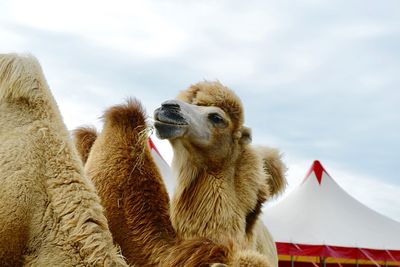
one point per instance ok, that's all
(318, 79)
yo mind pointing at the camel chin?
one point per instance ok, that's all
(169, 131)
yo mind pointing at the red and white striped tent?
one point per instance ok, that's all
(163, 166)
(319, 224)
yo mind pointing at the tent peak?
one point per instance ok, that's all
(318, 170)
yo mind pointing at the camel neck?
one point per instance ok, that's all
(222, 199)
(209, 196)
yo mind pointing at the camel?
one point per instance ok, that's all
(131, 189)
(83, 139)
(50, 214)
(222, 180)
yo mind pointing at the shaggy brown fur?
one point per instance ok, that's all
(136, 201)
(222, 180)
(50, 214)
(84, 138)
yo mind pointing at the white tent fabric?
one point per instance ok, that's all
(320, 212)
(164, 168)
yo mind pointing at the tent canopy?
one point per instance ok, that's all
(320, 219)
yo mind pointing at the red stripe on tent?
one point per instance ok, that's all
(337, 252)
(153, 146)
(317, 168)
(369, 257)
(391, 256)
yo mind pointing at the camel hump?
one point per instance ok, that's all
(20, 77)
(274, 168)
(131, 114)
(84, 138)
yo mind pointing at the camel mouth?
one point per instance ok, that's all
(169, 123)
(169, 116)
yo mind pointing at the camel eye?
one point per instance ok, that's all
(215, 118)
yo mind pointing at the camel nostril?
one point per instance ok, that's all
(169, 105)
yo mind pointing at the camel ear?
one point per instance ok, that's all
(245, 135)
(274, 168)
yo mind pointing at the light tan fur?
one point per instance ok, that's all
(222, 180)
(274, 168)
(50, 214)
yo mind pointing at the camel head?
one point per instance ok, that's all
(205, 120)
